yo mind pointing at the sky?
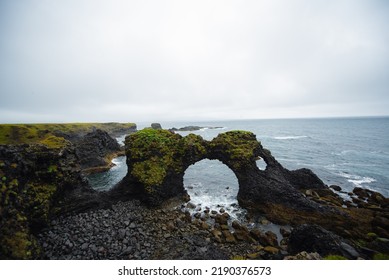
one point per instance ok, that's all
(146, 60)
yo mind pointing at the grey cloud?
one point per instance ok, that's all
(123, 60)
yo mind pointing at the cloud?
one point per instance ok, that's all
(149, 60)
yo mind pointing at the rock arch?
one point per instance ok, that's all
(157, 160)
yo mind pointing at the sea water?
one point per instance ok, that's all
(349, 152)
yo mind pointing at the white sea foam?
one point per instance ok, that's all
(290, 137)
(225, 198)
(121, 139)
(358, 181)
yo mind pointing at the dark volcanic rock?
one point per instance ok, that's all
(38, 182)
(94, 148)
(156, 126)
(313, 238)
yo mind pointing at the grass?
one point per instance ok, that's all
(50, 134)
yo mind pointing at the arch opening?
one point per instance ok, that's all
(212, 186)
(261, 164)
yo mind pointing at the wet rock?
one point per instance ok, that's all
(222, 219)
(243, 235)
(204, 226)
(304, 256)
(267, 239)
(336, 188)
(284, 232)
(229, 236)
(271, 250)
(313, 238)
(190, 205)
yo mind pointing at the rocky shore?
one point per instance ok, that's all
(129, 230)
(49, 211)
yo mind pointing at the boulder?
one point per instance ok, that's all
(315, 239)
(156, 126)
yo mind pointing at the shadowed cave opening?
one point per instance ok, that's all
(212, 185)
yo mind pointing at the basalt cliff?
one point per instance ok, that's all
(41, 182)
(41, 176)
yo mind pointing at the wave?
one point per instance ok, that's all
(289, 137)
(213, 128)
(357, 180)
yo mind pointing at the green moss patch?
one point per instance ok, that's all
(50, 135)
(151, 154)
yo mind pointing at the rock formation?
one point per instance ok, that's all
(41, 177)
(37, 182)
(95, 151)
(157, 160)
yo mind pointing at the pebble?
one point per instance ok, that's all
(132, 231)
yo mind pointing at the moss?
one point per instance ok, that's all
(152, 154)
(15, 134)
(237, 257)
(52, 168)
(40, 199)
(149, 173)
(371, 235)
(54, 142)
(334, 257)
(19, 245)
(381, 256)
(194, 146)
(239, 147)
(33, 177)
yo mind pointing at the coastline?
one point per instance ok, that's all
(215, 232)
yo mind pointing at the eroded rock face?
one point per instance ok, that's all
(157, 160)
(94, 150)
(41, 168)
(36, 183)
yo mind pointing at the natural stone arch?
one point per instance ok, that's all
(157, 160)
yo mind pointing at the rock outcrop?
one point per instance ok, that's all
(95, 151)
(157, 160)
(41, 177)
(156, 126)
(315, 239)
(37, 182)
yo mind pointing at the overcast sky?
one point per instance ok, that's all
(123, 60)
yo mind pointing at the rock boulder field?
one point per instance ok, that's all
(48, 209)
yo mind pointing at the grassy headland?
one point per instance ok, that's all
(53, 135)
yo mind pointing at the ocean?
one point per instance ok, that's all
(348, 152)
